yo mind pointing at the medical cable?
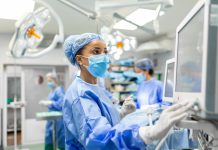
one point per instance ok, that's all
(163, 139)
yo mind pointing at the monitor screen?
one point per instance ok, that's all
(169, 81)
(189, 55)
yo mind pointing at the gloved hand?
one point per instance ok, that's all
(45, 102)
(167, 120)
(115, 101)
(127, 107)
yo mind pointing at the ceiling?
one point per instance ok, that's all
(75, 23)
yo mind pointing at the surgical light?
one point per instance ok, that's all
(119, 51)
(126, 41)
(118, 42)
(113, 50)
(113, 41)
(116, 56)
(126, 48)
(120, 45)
(118, 38)
(28, 34)
(133, 42)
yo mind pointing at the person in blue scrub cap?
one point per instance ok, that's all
(91, 121)
(54, 103)
(150, 90)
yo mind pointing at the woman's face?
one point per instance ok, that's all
(137, 70)
(49, 79)
(97, 47)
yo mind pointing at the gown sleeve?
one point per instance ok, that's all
(59, 97)
(160, 93)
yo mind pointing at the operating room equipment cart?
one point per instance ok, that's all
(53, 115)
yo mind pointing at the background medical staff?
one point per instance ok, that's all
(90, 119)
(150, 90)
(54, 103)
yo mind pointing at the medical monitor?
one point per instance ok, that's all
(169, 81)
(196, 67)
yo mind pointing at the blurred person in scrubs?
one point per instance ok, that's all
(91, 121)
(54, 103)
(191, 77)
(150, 90)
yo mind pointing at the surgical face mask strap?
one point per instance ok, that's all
(83, 64)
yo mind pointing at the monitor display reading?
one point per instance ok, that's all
(189, 55)
(169, 81)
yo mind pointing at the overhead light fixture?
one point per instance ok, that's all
(116, 56)
(118, 42)
(124, 25)
(29, 32)
(143, 16)
(15, 9)
(140, 17)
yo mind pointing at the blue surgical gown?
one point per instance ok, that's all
(92, 122)
(149, 92)
(57, 98)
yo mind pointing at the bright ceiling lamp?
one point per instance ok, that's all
(124, 25)
(15, 9)
(117, 42)
(140, 17)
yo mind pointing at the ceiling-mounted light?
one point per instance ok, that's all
(140, 17)
(116, 56)
(126, 41)
(133, 43)
(124, 25)
(143, 16)
(113, 41)
(113, 50)
(127, 47)
(119, 45)
(118, 38)
(28, 32)
(15, 9)
(119, 51)
(118, 42)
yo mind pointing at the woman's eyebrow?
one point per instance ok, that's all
(98, 48)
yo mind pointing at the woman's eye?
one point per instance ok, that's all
(96, 52)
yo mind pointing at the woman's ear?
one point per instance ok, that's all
(79, 60)
(146, 73)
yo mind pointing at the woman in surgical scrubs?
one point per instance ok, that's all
(150, 90)
(90, 119)
(54, 103)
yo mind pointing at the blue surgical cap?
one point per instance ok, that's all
(144, 64)
(74, 43)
